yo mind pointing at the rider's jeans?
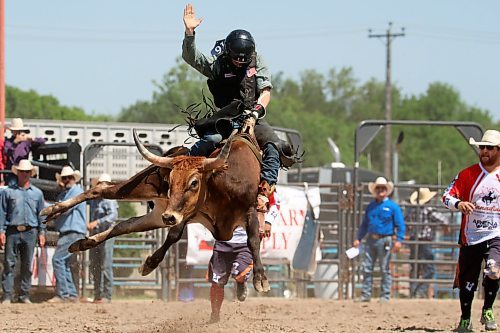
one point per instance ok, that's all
(270, 160)
(381, 249)
(206, 145)
(270, 164)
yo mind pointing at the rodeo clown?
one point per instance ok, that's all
(241, 85)
(475, 192)
(235, 258)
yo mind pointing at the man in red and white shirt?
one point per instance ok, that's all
(475, 191)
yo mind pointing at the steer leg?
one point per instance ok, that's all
(147, 222)
(152, 261)
(260, 282)
(57, 209)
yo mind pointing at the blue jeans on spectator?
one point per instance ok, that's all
(65, 286)
(101, 266)
(424, 271)
(20, 243)
(377, 249)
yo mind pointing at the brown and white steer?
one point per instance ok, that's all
(217, 192)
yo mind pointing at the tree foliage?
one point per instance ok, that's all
(319, 106)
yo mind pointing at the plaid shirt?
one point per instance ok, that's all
(427, 217)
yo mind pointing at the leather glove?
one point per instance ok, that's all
(259, 110)
(251, 113)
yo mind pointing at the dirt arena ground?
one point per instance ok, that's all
(254, 315)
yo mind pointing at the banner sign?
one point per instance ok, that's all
(285, 234)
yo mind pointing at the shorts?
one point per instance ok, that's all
(470, 260)
(237, 263)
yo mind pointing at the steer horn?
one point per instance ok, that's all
(160, 161)
(217, 162)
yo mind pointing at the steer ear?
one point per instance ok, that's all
(219, 161)
(160, 161)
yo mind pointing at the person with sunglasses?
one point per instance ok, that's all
(72, 226)
(382, 221)
(475, 192)
(240, 83)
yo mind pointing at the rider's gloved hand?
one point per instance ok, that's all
(258, 111)
(251, 113)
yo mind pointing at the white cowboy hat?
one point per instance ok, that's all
(17, 125)
(104, 178)
(490, 138)
(423, 194)
(381, 181)
(24, 165)
(68, 171)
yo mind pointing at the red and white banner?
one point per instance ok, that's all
(43, 272)
(285, 236)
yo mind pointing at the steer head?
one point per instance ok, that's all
(187, 180)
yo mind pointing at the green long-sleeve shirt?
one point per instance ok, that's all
(208, 66)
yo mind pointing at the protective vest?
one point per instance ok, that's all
(232, 83)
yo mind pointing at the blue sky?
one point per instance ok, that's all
(104, 55)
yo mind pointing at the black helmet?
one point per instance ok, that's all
(240, 46)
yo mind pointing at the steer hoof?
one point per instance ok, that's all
(261, 284)
(82, 245)
(147, 267)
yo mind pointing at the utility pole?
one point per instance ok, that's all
(388, 36)
(2, 70)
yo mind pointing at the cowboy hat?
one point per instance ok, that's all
(380, 181)
(490, 138)
(104, 178)
(17, 125)
(24, 165)
(423, 194)
(68, 171)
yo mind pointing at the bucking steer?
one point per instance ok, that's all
(218, 192)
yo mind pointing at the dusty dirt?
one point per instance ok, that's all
(254, 315)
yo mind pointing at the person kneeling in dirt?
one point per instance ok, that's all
(235, 258)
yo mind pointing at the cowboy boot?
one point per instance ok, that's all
(262, 207)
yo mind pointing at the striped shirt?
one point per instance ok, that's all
(426, 217)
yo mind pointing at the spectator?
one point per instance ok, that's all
(20, 224)
(382, 217)
(18, 147)
(103, 215)
(427, 218)
(475, 192)
(234, 258)
(71, 226)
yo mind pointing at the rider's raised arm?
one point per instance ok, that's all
(195, 58)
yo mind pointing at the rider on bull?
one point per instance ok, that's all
(241, 85)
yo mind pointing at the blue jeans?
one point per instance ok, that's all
(101, 266)
(424, 271)
(22, 244)
(65, 286)
(206, 145)
(270, 160)
(270, 164)
(377, 249)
